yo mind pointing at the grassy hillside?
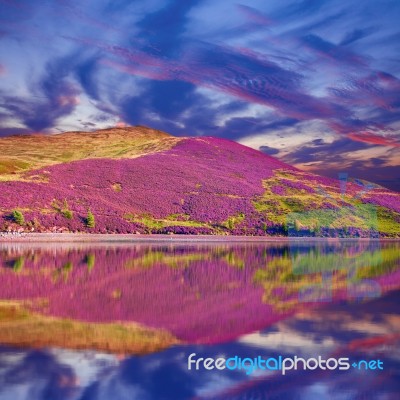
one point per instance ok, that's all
(144, 297)
(24, 328)
(137, 180)
(27, 152)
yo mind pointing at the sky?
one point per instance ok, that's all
(315, 83)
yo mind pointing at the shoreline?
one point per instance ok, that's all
(139, 238)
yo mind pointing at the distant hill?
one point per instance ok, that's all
(139, 180)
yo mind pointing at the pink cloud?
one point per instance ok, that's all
(368, 137)
(121, 124)
(249, 76)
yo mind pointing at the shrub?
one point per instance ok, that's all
(62, 209)
(67, 214)
(90, 222)
(65, 211)
(90, 260)
(67, 266)
(18, 264)
(230, 224)
(18, 217)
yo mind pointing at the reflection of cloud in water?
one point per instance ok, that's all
(336, 330)
(321, 331)
(202, 289)
(87, 365)
(51, 374)
(288, 341)
(37, 375)
(344, 322)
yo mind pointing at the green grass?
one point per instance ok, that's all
(284, 278)
(362, 216)
(314, 262)
(388, 262)
(301, 210)
(11, 166)
(19, 154)
(151, 258)
(22, 328)
(158, 223)
(234, 260)
(388, 221)
(233, 221)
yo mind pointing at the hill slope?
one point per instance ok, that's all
(145, 181)
(26, 152)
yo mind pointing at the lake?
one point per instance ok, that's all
(121, 320)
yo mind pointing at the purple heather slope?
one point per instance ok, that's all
(199, 184)
(210, 179)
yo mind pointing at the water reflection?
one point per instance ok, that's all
(358, 331)
(291, 298)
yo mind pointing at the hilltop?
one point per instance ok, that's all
(139, 180)
(27, 152)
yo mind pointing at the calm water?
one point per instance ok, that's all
(119, 321)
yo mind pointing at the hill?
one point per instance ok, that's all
(143, 298)
(138, 180)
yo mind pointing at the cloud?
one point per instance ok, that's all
(180, 96)
(52, 97)
(86, 73)
(378, 87)
(331, 158)
(355, 35)
(255, 16)
(247, 76)
(169, 64)
(318, 142)
(269, 150)
(235, 127)
(366, 137)
(312, 152)
(253, 78)
(66, 8)
(333, 53)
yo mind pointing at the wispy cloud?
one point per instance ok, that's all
(179, 67)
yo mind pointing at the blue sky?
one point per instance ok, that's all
(315, 83)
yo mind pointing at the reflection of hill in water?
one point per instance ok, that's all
(358, 331)
(199, 293)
